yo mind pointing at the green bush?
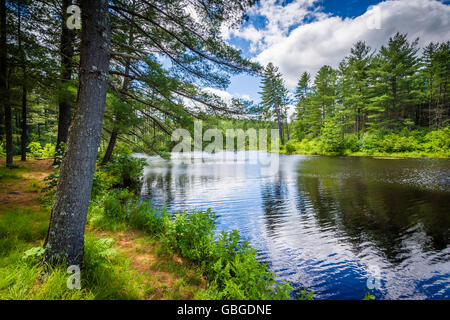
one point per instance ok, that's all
(351, 143)
(290, 148)
(438, 141)
(331, 137)
(230, 264)
(37, 151)
(2, 150)
(126, 172)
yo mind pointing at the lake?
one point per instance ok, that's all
(338, 226)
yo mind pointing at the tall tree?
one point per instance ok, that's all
(4, 88)
(65, 240)
(67, 52)
(399, 65)
(359, 63)
(274, 97)
(24, 136)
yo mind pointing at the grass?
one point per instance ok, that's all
(121, 264)
(11, 173)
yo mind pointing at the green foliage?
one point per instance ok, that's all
(290, 148)
(437, 141)
(126, 171)
(18, 226)
(2, 150)
(390, 90)
(331, 137)
(34, 255)
(37, 151)
(105, 274)
(369, 296)
(230, 263)
(416, 143)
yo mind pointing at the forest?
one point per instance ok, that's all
(85, 85)
(386, 102)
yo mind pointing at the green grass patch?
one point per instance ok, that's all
(11, 173)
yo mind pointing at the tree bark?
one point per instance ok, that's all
(125, 83)
(65, 239)
(24, 134)
(23, 123)
(280, 125)
(287, 130)
(111, 144)
(4, 90)
(66, 53)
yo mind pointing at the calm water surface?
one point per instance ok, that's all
(325, 223)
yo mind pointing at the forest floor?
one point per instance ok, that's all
(154, 274)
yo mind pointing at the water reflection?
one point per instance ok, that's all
(322, 222)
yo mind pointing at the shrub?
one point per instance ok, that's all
(290, 147)
(438, 141)
(36, 150)
(351, 143)
(230, 263)
(2, 150)
(331, 137)
(126, 172)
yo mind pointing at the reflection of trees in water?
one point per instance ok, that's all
(174, 185)
(159, 186)
(363, 209)
(274, 198)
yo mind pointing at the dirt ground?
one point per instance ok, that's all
(25, 191)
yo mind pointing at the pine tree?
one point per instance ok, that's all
(399, 64)
(274, 97)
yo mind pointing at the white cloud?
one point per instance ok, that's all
(224, 95)
(278, 20)
(328, 39)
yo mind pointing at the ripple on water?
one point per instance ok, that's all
(322, 223)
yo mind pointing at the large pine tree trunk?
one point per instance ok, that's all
(65, 239)
(67, 53)
(4, 90)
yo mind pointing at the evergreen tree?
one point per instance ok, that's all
(274, 98)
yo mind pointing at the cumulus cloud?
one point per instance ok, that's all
(296, 45)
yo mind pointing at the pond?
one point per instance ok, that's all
(338, 226)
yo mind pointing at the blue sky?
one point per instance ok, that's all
(303, 35)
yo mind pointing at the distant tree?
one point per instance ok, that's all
(301, 94)
(4, 86)
(274, 98)
(398, 65)
(359, 63)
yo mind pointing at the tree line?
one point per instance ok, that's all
(398, 86)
